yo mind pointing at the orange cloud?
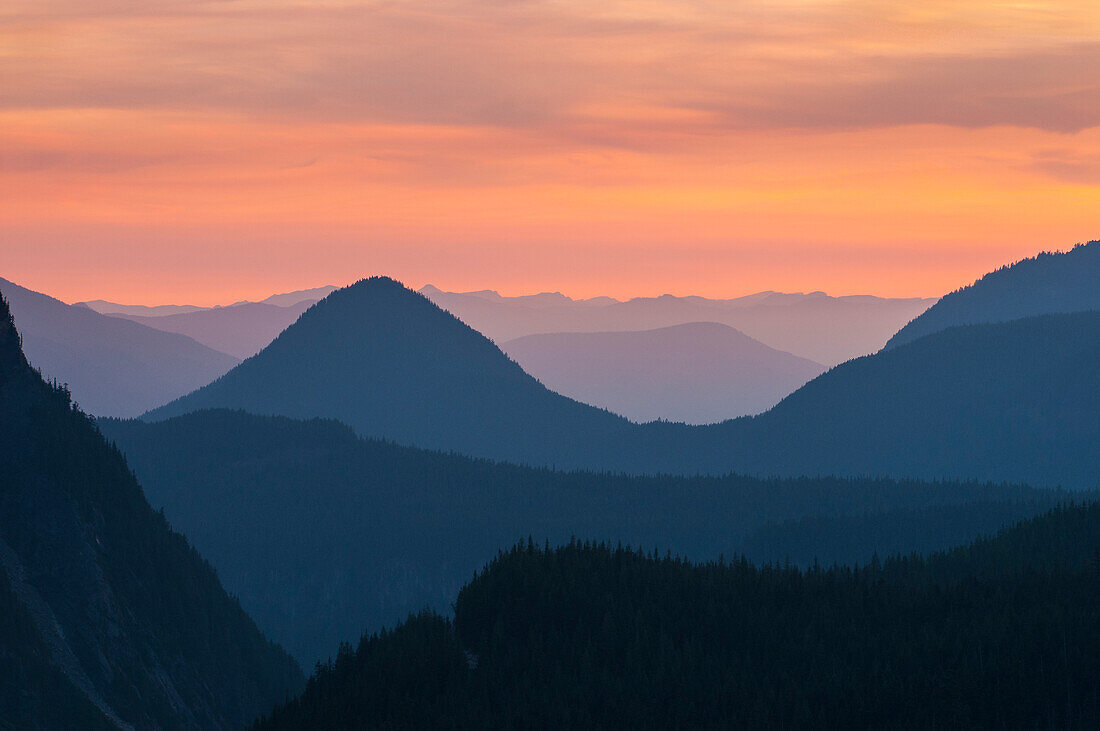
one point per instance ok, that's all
(218, 150)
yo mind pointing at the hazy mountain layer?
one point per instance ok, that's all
(1045, 284)
(323, 535)
(814, 326)
(113, 367)
(698, 373)
(106, 616)
(240, 330)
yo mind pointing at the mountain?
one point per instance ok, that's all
(1045, 284)
(109, 618)
(113, 367)
(698, 373)
(1014, 401)
(814, 326)
(390, 364)
(104, 307)
(322, 534)
(1002, 633)
(289, 299)
(241, 330)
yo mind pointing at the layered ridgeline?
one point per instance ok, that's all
(1013, 401)
(814, 325)
(386, 361)
(323, 535)
(107, 618)
(1003, 633)
(113, 367)
(241, 329)
(699, 373)
(1045, 284)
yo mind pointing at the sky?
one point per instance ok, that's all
(208, 151)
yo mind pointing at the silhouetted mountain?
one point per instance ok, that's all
(698, 373)
(1002, 633)
(1013, 401)
(1045, 284)
(113, 367)
(240, 330)
(322, 534)
(815, 326)
(107, 618)
(386, 361)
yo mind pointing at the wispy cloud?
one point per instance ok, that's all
(621, 126)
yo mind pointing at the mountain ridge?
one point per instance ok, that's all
(698, 373)
(113, 367)
(1047, 283)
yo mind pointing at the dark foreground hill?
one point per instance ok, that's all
(1003, 633)
(323, 534)
(699, 372)
(1044, 284)
(387, 362)
(107, 618)
(113, 367)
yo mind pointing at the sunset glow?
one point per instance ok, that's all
(215, 151)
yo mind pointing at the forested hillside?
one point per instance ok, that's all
(1048, 283)
(1014, 402)
(107, 617)
(1003, 633)
(323, 535)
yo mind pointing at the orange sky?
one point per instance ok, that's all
(204, 152)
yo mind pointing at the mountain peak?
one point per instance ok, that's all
(388, 362)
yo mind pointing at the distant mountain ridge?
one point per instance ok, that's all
(699, 373)
(814, 326)
(108, 619)
(286, 299)
(241, 330)
(1051, 282)
(113, 367)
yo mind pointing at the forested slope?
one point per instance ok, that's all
(324, 535)
(1002, 633)
(109, 615)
